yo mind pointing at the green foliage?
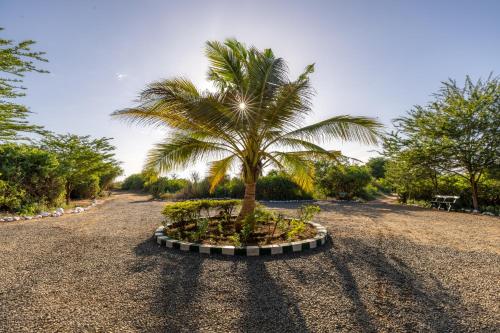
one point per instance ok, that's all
(134, 182)
(165, 185)
(82, 160)
(29, 179)
(235, 239)
(271, 187)
(457, 133)
(201, 228)
(295, 228)
(342, 181)
(89, 188)
(187, 211)
(376, 166)
(280, 187)
(16, 59)
(248, 227)
(307, 212)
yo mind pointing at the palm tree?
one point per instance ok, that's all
(253, 116)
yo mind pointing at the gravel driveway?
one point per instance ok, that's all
(387, 268)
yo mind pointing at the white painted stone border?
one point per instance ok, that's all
(248, 251)
(56, 213)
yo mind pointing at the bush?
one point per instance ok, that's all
(165, 185)
(87, 189)
(279, 187)
(29, 179)
(187, 211)
(134, 182)
(343, 181)
(376, 166)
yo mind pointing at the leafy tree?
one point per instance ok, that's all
(254, 117)
(16, 59)
(457, 133)
(82, 160)
(376, 165)
(410, 180)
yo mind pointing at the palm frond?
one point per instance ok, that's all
(348, 128)
(299, 168)
(218, 170)
(180, 150)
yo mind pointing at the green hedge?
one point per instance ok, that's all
(186, 211)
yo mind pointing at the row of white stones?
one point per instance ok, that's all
(273, 249)
(56, 213)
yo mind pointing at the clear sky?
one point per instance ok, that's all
(373, 58)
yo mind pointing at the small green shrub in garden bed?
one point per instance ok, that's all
(185, 211)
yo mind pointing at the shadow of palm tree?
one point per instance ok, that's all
(377, 291)
(268, 307)
(177, 287)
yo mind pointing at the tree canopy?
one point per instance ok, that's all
(83, 160)
(16, 59)
(457, 133)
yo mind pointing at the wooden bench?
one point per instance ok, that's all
(447, 201)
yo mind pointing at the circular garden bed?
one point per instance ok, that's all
(209, 227)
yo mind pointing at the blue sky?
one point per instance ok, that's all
(373, 58)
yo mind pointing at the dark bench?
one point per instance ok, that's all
(446, 201)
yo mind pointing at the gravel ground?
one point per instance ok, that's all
(387, 268)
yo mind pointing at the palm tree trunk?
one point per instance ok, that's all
(248, 205)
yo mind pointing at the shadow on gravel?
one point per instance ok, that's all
(380, 292)
(175, 298)
(400, 298)
(268, 307)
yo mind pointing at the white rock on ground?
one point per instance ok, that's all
(45, 214)
(60, 210)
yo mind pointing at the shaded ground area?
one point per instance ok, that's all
(387, 268)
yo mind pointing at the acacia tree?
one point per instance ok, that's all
(254, 117)
(82, 159)
(458, 133)
(16, 59)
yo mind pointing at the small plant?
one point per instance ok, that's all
(201, 228)
(235, 239)
(295, 227)
(247, 230)
(307, 212)
(220, 229)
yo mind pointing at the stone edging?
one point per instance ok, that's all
(248, 251)
(56, 213)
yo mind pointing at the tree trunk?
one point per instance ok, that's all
(68, 194)
(475, 202)
(248, 205)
